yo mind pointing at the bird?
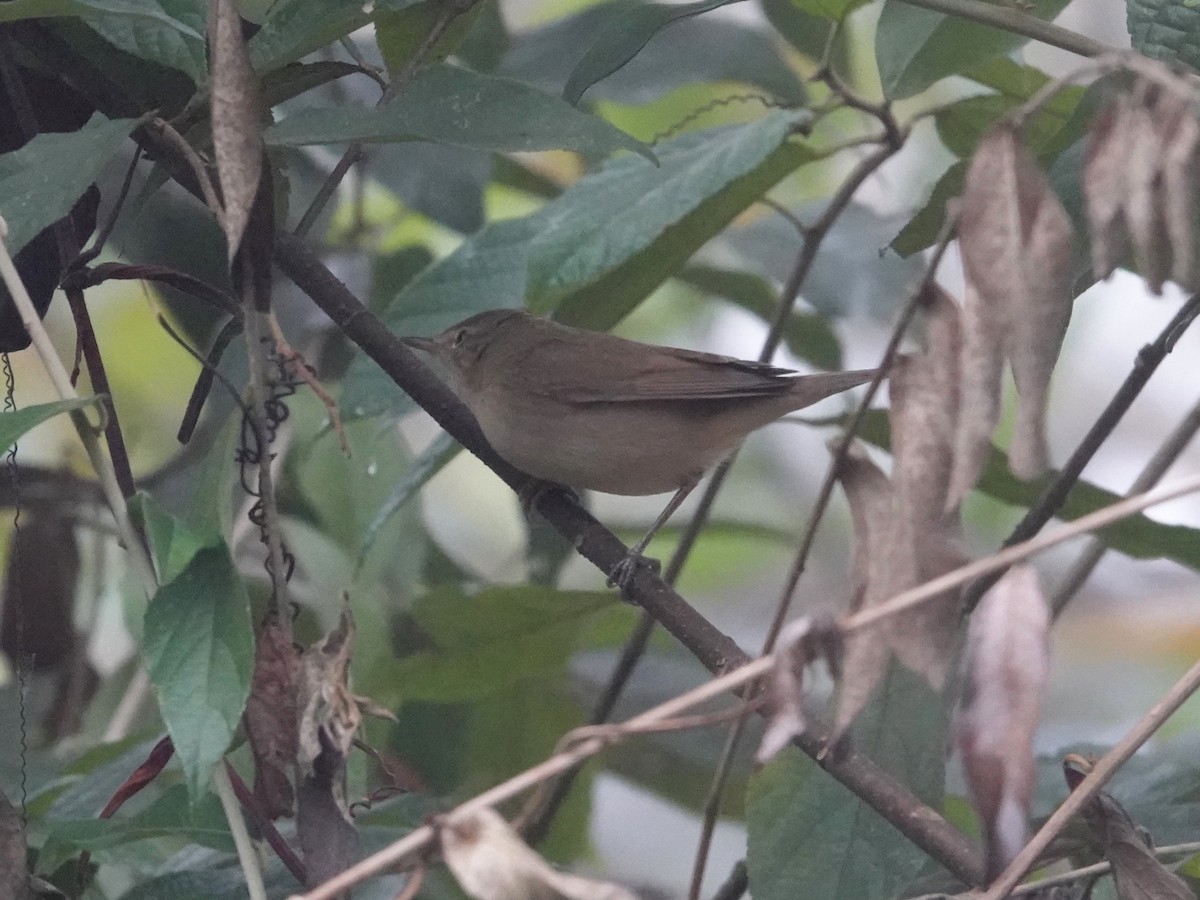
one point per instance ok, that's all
(594, 411)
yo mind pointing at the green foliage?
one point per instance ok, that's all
(1165, 30)
(16, 423)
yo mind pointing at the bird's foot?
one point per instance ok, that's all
(623, 573)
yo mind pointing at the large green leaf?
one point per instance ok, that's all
(148, 10)
(199, 651)
(596, 250)
(173, 542)
(1166, 29)
(914, 47)
(15, 424)
(173, 37)
(620, 38)
(473, 646)
(42, 181)
(450, 105)
(808, 836)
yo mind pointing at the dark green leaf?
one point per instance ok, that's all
(829, 9)
(294, 29)
(1166, 29)
(806, 32)
(42, 181)
(915, 47)
(620, 38)
(479, 645)
(199, 651)
(808, 336)
(923, 228)
(598, 248)
(15, 424)
(148, 10)
(1138, 536)
(401, 33)
(808, 836)
(457, 106)
(169, 32)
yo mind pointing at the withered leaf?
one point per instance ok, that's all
(1181, 184)
(271, 716)
(1016, 244)
(1143, 200)
(329, 721)
(1104, 179)
(800, 644)
(490, 862)
(236, 121)
(1008, 662)
(1136, 871)
(981, 367)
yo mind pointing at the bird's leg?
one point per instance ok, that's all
(532, 492)
(622, 574)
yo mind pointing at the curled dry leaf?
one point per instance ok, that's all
(1136, 871)
(1016, 244)
(1008, 662)
(801, 643)
(1181, 185)
(271, 716)
(236, 121)
(1104, 171)
(329, 721)
(980, 366)
(490, 862)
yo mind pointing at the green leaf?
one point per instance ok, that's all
(923, 228)
(42, 181)
(1166, 29)
(621, 37)
(1137, 536)
(148, 10)
(474, 646)
(174, 37)
(450, 105)
(15, 424)
(809, 836)
(916, 47)
(596, 250)
(199, 651)
(295, 29)
(173, 542)
(808, 336)
(806, 32)
(434, 458)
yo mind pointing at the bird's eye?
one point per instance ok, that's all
(459, 337)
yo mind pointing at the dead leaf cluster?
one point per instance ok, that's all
(1016, 242)
(1007, 665)
(800, 644)
(1141, 179)
(907, 527)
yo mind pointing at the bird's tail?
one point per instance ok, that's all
(808, 389)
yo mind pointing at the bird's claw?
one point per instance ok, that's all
(533, 491)
(623, 573)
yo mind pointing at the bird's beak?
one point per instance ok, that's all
(419, 343)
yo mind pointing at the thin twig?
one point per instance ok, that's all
(247, 855)
(198, 167)
(278, 843)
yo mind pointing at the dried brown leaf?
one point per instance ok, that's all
(1016, 244)
(1143, 201)
(236, 121)
(1181, 184)
(329, 721)
(981, 368)
(1104, 180)
(271, 716)
(800, 644)
(1136, 871)
(490, 862)
(1007, 666)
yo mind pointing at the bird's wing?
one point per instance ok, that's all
(625, 373)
